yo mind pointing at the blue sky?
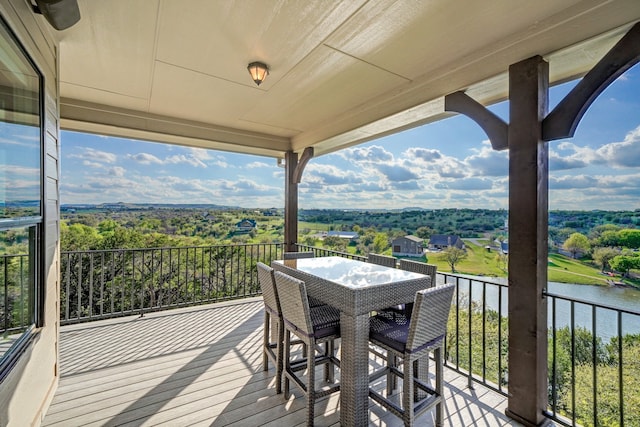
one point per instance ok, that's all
(448, 164)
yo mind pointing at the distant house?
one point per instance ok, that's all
(443, 241)
(410, 246)
(245, 226)
(504, 248)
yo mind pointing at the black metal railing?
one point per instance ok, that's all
(594, 371)
(477, 338)
(329, 252)
(15, 299)
(100, 284)
(109, 283)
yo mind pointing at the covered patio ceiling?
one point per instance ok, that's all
(342, 72)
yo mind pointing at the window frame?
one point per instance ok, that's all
(35, 226)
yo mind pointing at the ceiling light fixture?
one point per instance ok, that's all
(61, 14)
(258, 71)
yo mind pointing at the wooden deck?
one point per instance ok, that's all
(203, 366)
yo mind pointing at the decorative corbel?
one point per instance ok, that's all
(495, 128)
(307, 155)
(563, 120)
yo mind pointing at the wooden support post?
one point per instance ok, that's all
(290, 202)
(528, 230)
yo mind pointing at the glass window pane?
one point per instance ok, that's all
(20, 153)
(17, 312)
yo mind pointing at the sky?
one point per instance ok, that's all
(447, 164)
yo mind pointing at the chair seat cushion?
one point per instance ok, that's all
(326, 321)
(390, 329)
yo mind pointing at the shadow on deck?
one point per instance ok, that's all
(202, 366)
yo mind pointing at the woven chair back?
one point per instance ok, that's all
(294, 303)
(297, 255)
(429, 316)
(420, 267)
(387, 261)
(268, 287)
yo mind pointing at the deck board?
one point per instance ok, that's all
(202, 366)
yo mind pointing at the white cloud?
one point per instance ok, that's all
(92, 155)
(181, 158)
(318, 174)
(92, 164)
(625, 153)
(20, 170)
(254, 165)
(145, 158)
(428, 155)
(488, 162)
(396, 172)
(200, 153)
(450, 167)
(468, 184)
(371, 154)
(117, 171)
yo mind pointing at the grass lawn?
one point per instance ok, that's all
(568, 270)
(478, 262)
(561, 268)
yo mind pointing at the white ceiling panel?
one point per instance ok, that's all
(186, 94)
(341, 71)
(111, 48)
(320, 88)
(221, 38)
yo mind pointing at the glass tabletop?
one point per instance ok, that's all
(350, 273)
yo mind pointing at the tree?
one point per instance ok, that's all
(597, 231)
(560, 235)
(602, 256)
(453, 256)
(310, 241)
(608, 238)
(78, 237)
(624, 263)
(502, 260)
(380, 243)
(576, 243)
(335, 243)
(629, 238)
(424, 232)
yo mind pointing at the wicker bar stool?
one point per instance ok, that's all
(312, 326)
(387, 261)
(298, 255)
(404, 310)
(420, 267)
(271, 350)
(313, 302)
(411, 341)
(415, 267)
(273, 340)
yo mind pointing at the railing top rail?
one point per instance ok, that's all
(472, 279)
(171, 248)
(591, 303)
(14, 255)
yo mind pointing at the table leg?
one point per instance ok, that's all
(354, 370)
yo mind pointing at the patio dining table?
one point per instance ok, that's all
(356, 288)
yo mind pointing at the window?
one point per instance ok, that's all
(21, 171)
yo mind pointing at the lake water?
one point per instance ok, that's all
(606, 320)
